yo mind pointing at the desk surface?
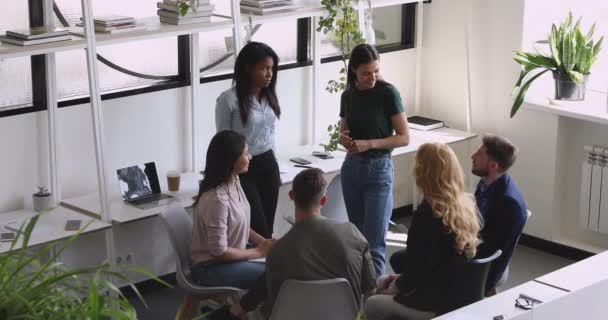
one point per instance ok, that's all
(50, 226)
(579, 275)
(122, 213)
(504, 303)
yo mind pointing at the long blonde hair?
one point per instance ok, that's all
(441, 181)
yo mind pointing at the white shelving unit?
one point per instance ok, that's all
(593, 109)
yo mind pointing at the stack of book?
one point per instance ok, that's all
(39, 35)
(169, 12)
(115, 24)
(262, 7)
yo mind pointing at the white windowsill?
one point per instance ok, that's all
(593, 109)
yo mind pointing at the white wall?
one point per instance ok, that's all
(548, 167)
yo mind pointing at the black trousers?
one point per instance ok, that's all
(261, 185)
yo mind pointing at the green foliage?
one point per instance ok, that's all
(342, 21)
(572, 54)
(184, 5)
(31, 289)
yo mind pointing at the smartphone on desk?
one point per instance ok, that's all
(322, 155)
(300, 161)
(7, 236)
(73, 225)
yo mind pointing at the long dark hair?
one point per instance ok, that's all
(224, 150)
(251, 54)
(361, 54)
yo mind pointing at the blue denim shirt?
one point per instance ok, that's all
(260, 128)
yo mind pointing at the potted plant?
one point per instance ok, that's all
(41, 199)
(31, 289)
(571, 57)
(342, 22)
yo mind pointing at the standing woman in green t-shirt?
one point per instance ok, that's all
(372, 122)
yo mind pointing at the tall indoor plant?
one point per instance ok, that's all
(342, 21)
(570, 60)
(47, 290)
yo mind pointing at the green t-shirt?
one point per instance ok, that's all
(368, 114)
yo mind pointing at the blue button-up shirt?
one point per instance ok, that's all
(260, 127)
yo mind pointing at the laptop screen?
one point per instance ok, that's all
(138, 181)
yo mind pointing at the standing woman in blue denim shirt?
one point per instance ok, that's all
(372, 122)
(251, 108)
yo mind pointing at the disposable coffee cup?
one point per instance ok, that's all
(173, 181)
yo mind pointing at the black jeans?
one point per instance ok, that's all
(256, 295)
(261, 185)
(398, 262)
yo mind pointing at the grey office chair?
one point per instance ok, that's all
(179, 227)
(505, 275)
(470, 285)
(321, 299)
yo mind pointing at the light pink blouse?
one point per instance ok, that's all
(220, 221)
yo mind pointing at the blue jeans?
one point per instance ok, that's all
(367, 186)
(241, 274)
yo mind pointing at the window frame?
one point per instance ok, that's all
(304, 59)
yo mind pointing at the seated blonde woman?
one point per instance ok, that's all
(443, 235)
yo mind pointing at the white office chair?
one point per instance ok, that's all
(179, 227)
(505, 275)
(335, 208)
(321, 299)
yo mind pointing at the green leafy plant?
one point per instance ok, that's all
(342, 22)
(31, 289)
(572, 53)
(184, 5)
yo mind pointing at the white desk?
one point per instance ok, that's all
(504, 303)
(122, 213)
(579, 275)
(50, 226)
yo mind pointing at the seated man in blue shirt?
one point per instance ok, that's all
(500, 203)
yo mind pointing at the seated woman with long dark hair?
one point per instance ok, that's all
(443, 235)
(221, 219)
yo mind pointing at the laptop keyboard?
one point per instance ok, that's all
(151, 198)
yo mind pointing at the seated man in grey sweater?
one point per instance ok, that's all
(316, 248)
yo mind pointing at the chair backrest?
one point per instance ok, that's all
(179, 226)
(470, 285)
(335, 208)
(330, 299)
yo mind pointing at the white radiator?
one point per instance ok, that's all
(594, 190)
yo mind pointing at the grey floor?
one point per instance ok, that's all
(526, 265)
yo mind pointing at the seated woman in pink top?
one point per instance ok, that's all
(221, 219)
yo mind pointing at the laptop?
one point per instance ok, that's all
(140, 188)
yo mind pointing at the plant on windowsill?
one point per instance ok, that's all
(41, 200)
(343, 24)
(572, 55)
(34, 288)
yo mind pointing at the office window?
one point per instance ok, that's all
(15, 74)
(539, 16)
(282, 37)
(213, 52)
(389, 27)
(151, 61)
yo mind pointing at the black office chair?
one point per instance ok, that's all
(470, 286)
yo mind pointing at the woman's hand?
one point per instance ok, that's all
(345, 140)
(265, 246)
(387, 283)
(361, 146)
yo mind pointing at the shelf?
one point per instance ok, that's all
(8, 51)
(310, 8)
(50, 226)
(593, 109)
(155, 29)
